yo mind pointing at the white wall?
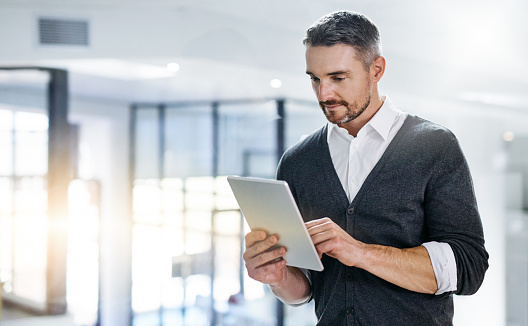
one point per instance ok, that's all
(480, 130)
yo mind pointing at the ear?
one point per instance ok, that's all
(377, 68)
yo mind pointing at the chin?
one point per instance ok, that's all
(335, 117)
(338, 120)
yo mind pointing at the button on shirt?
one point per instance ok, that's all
(355, 157)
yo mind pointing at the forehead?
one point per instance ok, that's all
(321, 60)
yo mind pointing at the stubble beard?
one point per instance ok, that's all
(352, 111)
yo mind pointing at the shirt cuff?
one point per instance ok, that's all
(309, 277)
(444, 265)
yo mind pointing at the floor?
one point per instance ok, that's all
(16, 317)
(253, 313)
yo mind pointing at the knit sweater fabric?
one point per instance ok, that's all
(419, 191)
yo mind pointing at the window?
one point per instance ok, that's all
(188, 233)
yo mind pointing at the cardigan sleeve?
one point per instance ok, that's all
(452, 217)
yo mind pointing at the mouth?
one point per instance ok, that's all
(332, 105)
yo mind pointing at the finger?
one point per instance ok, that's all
(254, 236)
(322, 228)
(321, 237)
(269, 273)
(265, 258)
(260, 247)
(330, 249)
(329, 232)
(317, 222)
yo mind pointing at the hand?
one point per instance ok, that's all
(330, 239)
(409, 268)
(262, 264)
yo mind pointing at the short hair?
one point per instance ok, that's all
(346, 27)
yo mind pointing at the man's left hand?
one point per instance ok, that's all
(329, 238)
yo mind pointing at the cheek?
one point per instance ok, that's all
(347, 91)
(355, 90)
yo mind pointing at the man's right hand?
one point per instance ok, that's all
(264, 265)
(268, 266)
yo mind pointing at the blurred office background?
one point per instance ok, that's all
(119, 121)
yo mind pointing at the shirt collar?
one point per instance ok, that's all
(381, 122)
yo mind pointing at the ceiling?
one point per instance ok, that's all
(470, 50)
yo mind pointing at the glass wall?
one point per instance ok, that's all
(23, 189)
(188, 232)
(24, 217)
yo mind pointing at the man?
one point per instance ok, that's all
(387, 198)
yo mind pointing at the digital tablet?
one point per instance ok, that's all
(268, 205)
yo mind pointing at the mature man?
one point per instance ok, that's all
(387, 198)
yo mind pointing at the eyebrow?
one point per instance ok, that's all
(334, 73)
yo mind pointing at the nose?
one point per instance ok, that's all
(324, 92)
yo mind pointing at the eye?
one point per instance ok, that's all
(336, 78)
(314, 79)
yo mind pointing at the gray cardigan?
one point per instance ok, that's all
(420, 190)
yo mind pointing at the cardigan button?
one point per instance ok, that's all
(350, 311)
(350, 210)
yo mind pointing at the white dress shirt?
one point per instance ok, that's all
(355, 157)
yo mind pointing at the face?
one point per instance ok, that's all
(341, 82)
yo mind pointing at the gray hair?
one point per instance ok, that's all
(346, 27)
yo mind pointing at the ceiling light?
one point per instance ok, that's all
(113, 68)
(36, 77)
(276, 83)
(508, 136)
(173, 66)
